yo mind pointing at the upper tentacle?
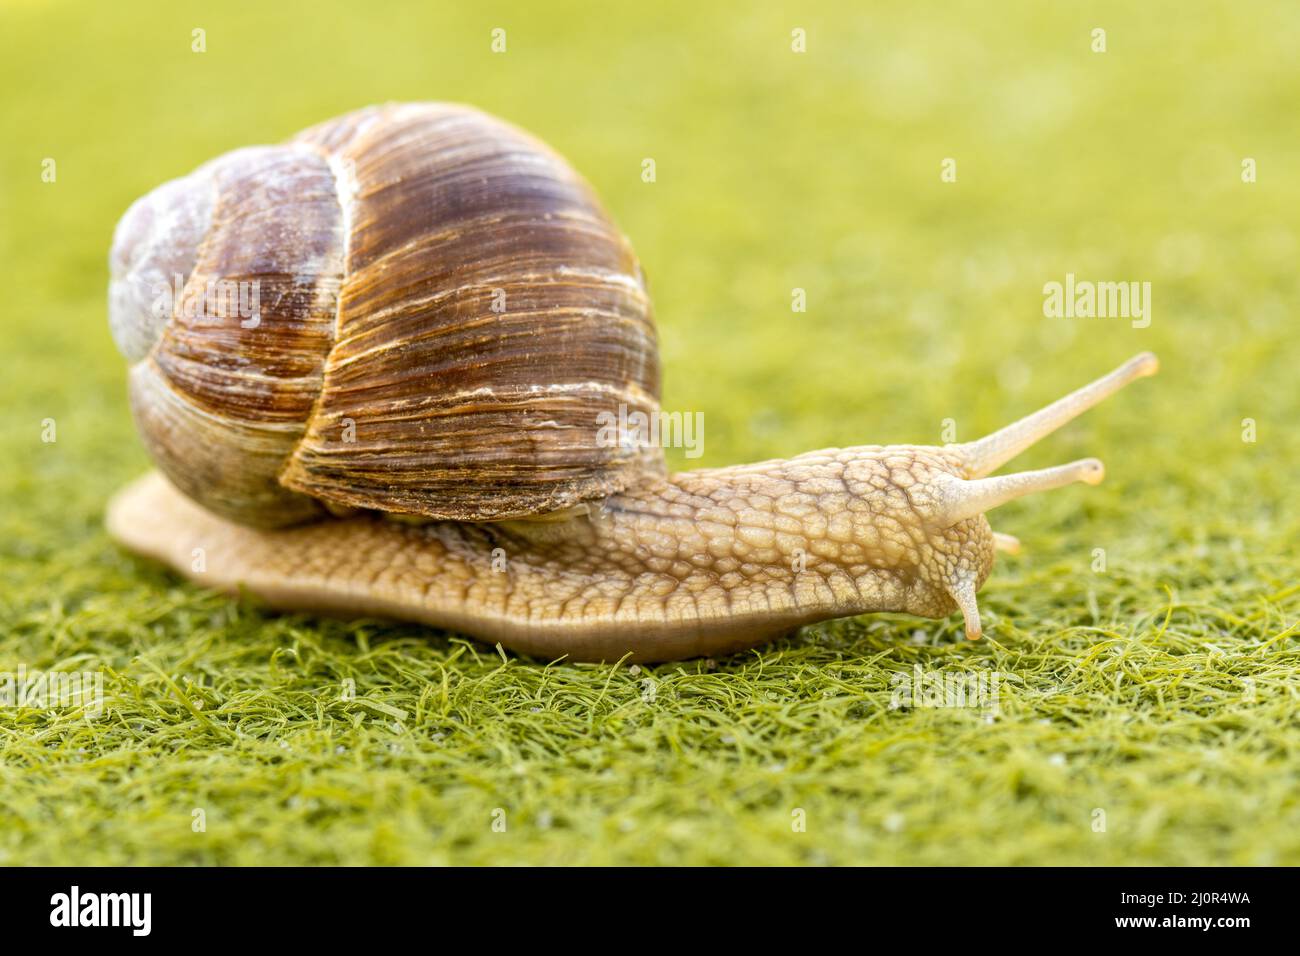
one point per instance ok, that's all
(986, 455)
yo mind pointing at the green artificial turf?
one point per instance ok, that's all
(1146, 712)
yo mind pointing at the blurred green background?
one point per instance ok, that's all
(1162, 691)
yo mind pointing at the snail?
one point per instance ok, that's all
(406, 422)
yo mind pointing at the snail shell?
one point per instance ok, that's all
(442, 310)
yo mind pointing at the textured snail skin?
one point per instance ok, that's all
(699, 563)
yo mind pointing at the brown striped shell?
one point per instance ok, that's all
(414, 308)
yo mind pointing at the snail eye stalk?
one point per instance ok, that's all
(986, 455)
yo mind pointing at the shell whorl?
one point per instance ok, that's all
(441, 311)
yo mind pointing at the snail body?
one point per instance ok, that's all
(445, 313)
